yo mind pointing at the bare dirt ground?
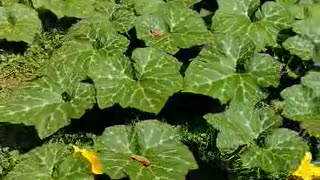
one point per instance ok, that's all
(7, 86)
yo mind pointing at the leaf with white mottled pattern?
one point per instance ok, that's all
(188, 3)
(157, 77)
(246, 19)
(8, 2)
(300, 46)
(312, 127)
(214, 71)
(302, 102)
(172, 21)
(241, 124)
(147, 6)
(287, 2)
(121, 15)
(264, 70)
(50, 162)
(307, 43)
(158, 142)
(312, 80)
(309, 25)
(280, 154)
(89, 41)
(73, 168)
(19, 23)
(69, 8)
(99, 32)
(50, 102)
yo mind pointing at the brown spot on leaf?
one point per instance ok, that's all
(156, 32)
(144, 161)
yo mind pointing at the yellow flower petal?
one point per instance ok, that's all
(315, 170)
(92, 158)
(306, 170)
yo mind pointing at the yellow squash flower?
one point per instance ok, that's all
(306, 170)
(92, 158)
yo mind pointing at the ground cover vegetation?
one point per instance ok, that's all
(159, 89)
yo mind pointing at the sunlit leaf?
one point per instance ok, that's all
(157, 78)
(302, 102)
(172, 20)
(245, 18)
(214, 72)
(280, 153)
(51, 161)
(50, 102)
(70, 8)
(148, 150)
(241, 125)
(122, 15)
(19, 23)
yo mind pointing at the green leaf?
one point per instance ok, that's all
(287, 2)
(280, 154)
(70, 8)
(312, 128)
(264, 70)
(173, 22)
(307, 43)
(157, 77)
(8, 2)
(19, 23)
(100, 34)
(50, 102)
(187, 3)
(302, 102)
(243, 7)
(245, 18)
(157, 142)
(214, 71)
(309, 25)
(241, 124)
(300, 46)
(50, 162)
(89, 41)
(76, 168)
(147, 6)
(121, 15)
(312, 80)
(152, 6)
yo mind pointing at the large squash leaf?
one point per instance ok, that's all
(241, 124)
(302, 102)
(8, 2)
(147, 85)
(122, 14)
(245, 18)
(50, 102)
(312, 127)
(147, 150)
(214, 72)
(306, 44)
(50, 162)
(90, 40)
(188, 3)
(147, 6)
(70, 8)
(172, 26)
(19, 23)
(301, 46)
(281, 153)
